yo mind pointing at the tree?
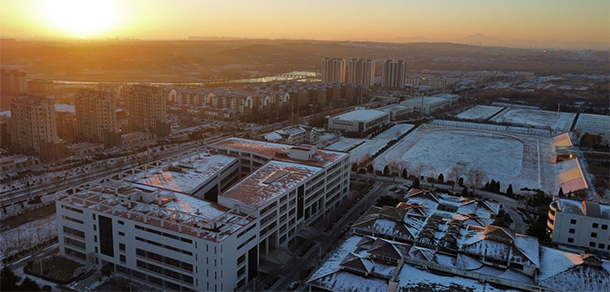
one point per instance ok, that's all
(560, 193)
(416, 183)
(476, 177)
(28, 285)
(354, 166)
(8, 279)
(386, 170)
(418, 170)
(364, 160)
(441, 178)
(456, 172)
(461, 182)
(387, 201)
(393, 168)
(486, 186)
(404, 173)
(465, 192)
(509, 191)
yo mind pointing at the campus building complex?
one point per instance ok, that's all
(204, 219)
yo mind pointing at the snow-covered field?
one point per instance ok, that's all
(343, 144)
(536, 118)
(520, 160)
(370, 146)
(27, 235)
(593, 124)
(479, 112)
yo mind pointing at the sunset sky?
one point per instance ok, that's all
(381, 20)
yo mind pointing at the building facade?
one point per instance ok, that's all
(394, 74)
(96, 118)
(147, 109)
(13, 81)
(361, 72)
(429, 104)
(581, 224)
(359, 120)
(33, 123)
(333, 70)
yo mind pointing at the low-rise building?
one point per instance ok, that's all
(359, 120)
(397, 112)
(290, 135)
(582, 224)
(429, 104)
(15, 162)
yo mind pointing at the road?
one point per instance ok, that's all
(325, 241)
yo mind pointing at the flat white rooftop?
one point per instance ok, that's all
(362, 115)
(184, 175)
(428, 100)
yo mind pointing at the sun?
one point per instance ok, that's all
(82, 17)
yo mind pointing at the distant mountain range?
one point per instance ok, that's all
(482, 40)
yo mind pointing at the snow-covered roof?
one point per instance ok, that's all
(273, 136)
(583, 208)
(271, 180)
(184, 175)
(501, 244)
(173, 211)
(322, 158)
(566, 271)
(361, 115)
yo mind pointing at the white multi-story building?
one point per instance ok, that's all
(579, 223)
(160, 222)
(360, 120)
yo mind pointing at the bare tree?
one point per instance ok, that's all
(418, 170)
(8, 245)
(364, 160)
(394, 167)
(476, 177)
(455, 174)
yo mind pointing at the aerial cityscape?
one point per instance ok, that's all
(156, 145)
